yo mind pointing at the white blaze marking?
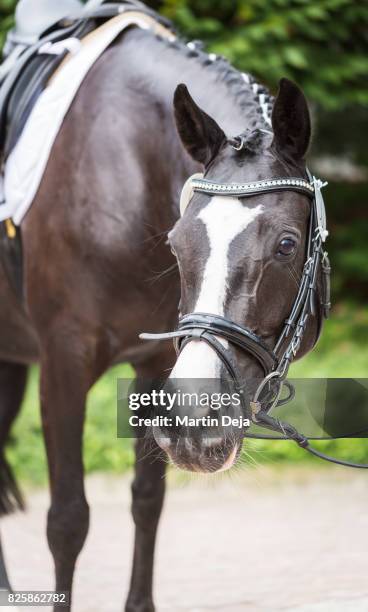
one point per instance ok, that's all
(224, 218)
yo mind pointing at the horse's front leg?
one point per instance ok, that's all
(67, 372)
(148, 490)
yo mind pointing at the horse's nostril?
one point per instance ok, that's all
(218, 456)
(199, 454)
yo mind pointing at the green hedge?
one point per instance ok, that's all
(6, 18)
(322, 44)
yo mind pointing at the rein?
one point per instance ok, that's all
(275, 363)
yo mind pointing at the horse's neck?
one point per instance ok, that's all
(224, 93)
(135, 83)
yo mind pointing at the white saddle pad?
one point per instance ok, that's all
(26, 164)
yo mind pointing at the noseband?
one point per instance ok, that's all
(275, 363)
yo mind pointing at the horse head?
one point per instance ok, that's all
(241, 259)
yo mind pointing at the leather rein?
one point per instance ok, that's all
(275, 363)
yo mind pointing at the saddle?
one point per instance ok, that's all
(35, 66)
(33, 17)
(26, 80)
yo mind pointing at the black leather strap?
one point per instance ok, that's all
(244, 190)
(326, 291)
(239, 336)
(191, 325)
(290, 433)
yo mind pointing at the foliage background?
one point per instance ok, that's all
(323, 46)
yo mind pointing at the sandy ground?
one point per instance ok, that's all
(262, 540)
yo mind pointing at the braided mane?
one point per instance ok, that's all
(242, 86)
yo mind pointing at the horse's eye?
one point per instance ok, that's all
(286, 246)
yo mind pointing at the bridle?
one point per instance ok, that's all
(275, 363)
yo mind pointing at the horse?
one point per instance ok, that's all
(107, 255)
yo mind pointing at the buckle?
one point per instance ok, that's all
(255, 407)
(11, 231)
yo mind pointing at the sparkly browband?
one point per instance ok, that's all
(245, 189)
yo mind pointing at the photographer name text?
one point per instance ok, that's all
(187, 421)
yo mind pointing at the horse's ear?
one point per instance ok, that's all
(291, 121)
(200, 134)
